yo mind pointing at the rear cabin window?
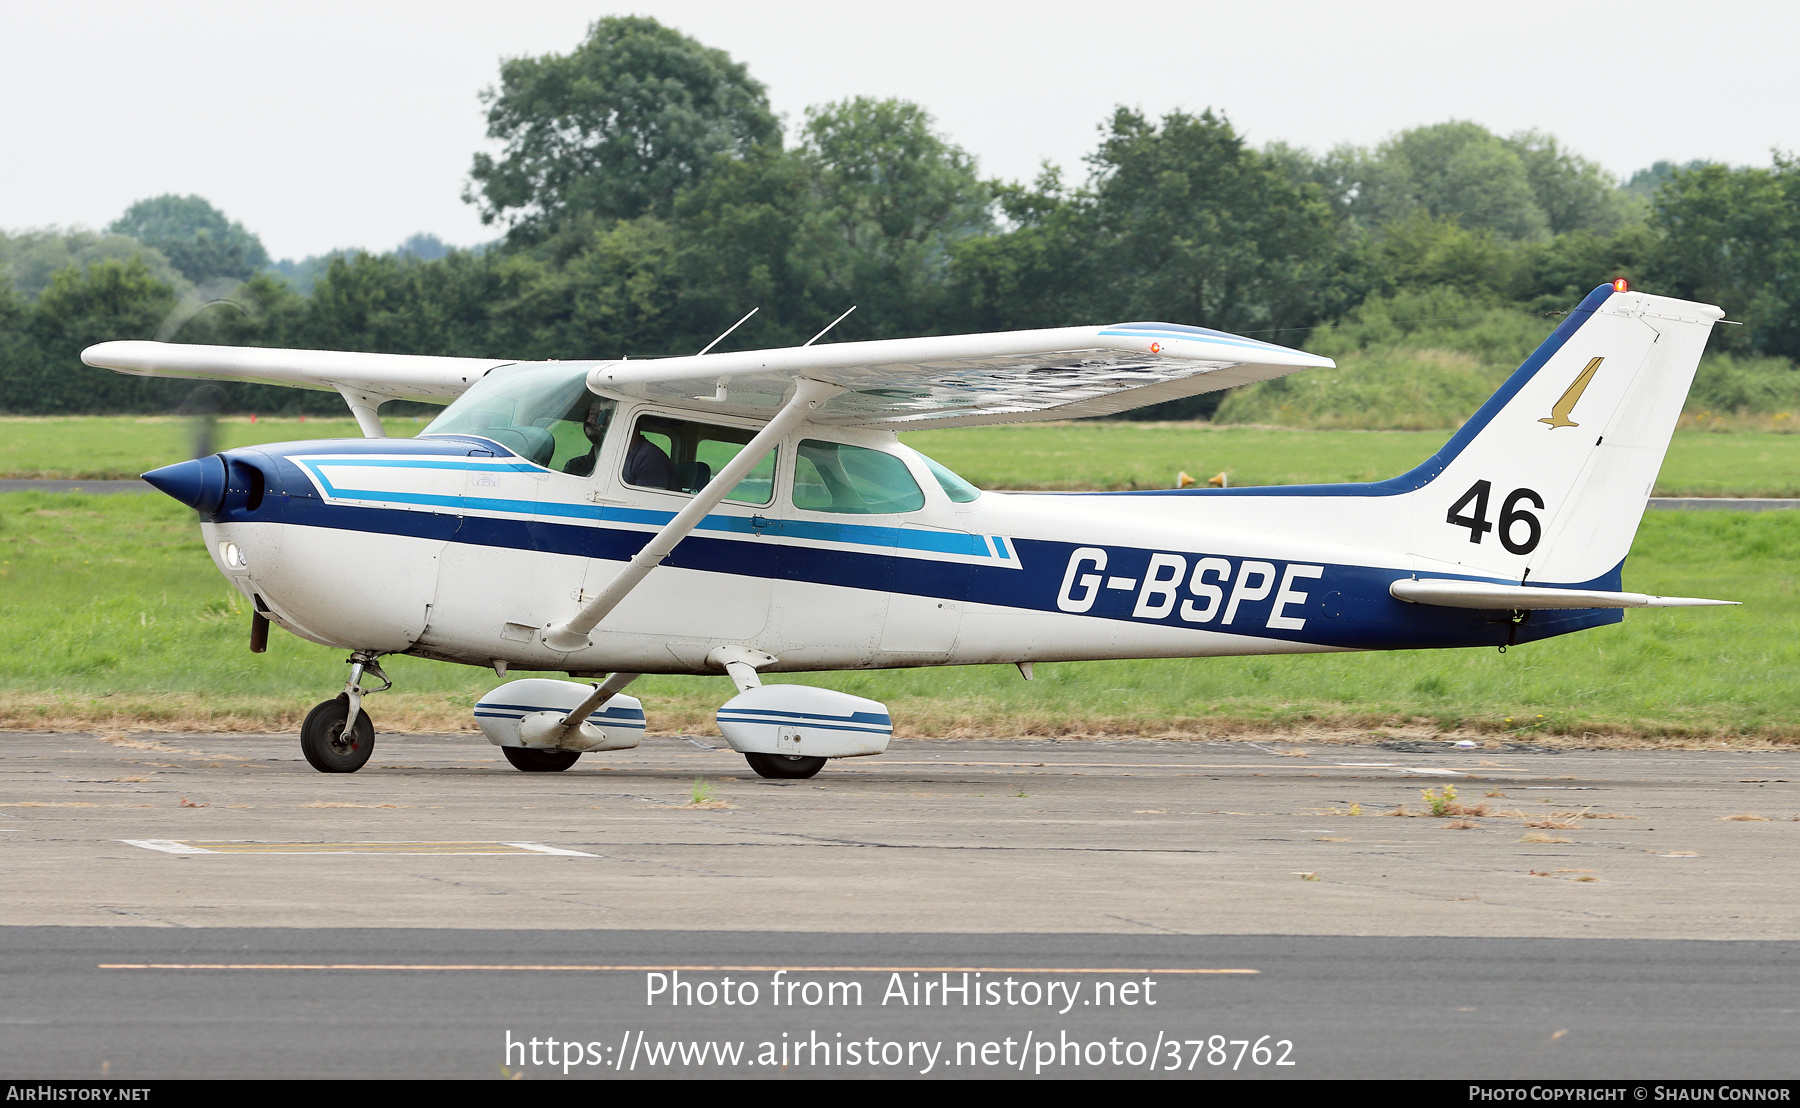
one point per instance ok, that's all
(834, 477)
(680, 455)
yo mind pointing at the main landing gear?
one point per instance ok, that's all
(338, 735)
(540, 761)
(790, 767)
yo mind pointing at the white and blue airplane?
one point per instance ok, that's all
(754, 512)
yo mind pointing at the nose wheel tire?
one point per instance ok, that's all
(790, 767)
(328, 746)
(540, 761)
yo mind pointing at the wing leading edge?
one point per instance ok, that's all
(387, 376)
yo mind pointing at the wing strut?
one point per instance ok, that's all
(573, 635)
(367, 410)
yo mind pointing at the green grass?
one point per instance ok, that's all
(1388, 388)
(1094, 455)
(116, 618)
(1107, 455)
(119, 447)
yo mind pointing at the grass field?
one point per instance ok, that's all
(1701, 462)
(115, 619)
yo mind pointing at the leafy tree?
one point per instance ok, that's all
(423, 247)
(1421, 253)
(614, 129)
(1194, 226)
(111, 300)
(1573, 193)
(30, 258)
(18, 354)
(1460, 170)
(1644, 183)
(890, 196)
(742, 246)
(1038, 272)
(1553, 275)
(195, 236)
(1732, 237)
(388, 304)
(865, 211)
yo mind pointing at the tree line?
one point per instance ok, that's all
(644, 196)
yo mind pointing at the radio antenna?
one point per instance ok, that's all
(829, 326)
(732, 328)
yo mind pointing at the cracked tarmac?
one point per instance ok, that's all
(1126, 837)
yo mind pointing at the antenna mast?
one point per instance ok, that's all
(829, 326)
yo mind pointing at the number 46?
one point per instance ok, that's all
(1510, 515)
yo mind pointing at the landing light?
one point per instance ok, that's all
(231, 555)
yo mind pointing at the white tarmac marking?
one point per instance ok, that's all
(399, 849)
(167, 846)
(392, 966)
(1401, 768)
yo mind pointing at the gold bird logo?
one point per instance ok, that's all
(1559, 412)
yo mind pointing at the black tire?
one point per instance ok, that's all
(784, 767)
(540, 761)
(324, 743)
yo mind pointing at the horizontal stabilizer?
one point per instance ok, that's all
(1484, 594)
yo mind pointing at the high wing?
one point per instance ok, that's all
(390, 376)
(963, 380)
(947, 381)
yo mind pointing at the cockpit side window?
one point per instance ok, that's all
(578, 444)
(680, 455)
(854, 480)
(958, 490)
(544, 414)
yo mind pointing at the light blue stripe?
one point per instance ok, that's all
(1250, 344)
(413, 463)
(852, 534)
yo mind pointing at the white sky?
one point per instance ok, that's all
(325, 124)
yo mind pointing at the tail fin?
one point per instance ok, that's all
(1549, 480)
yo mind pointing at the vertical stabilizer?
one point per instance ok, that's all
(1549, 480)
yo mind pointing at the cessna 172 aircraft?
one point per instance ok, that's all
(753, 512)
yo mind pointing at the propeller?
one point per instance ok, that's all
(201, 406)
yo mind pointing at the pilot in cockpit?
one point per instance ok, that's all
(647, 466)
(599, 416)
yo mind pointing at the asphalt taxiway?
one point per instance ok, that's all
(1144, 837)
(195, 905)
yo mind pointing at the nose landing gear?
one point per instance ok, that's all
(338, 735)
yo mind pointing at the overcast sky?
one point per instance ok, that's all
(328, 124)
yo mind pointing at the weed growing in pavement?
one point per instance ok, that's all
(1443, 804)
(1440, 801)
